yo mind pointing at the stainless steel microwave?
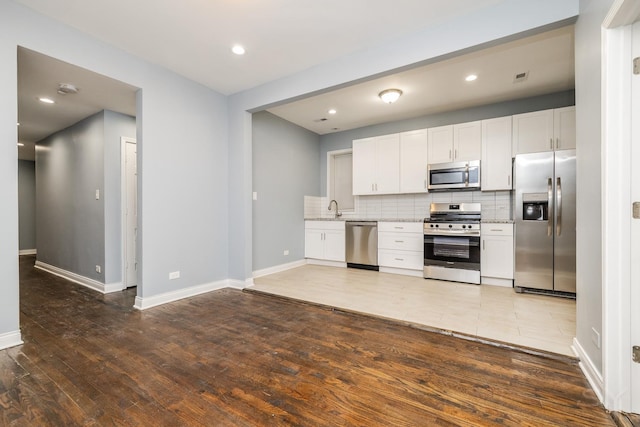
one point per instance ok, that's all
(454, 176)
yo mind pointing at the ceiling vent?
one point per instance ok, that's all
(520, 77)
(67, 89)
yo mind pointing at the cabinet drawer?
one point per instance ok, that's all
(400, 241)
(400, 259)
(401, 227)
(488, 229)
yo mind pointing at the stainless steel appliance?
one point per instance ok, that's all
(545, 221)
(362, 244)
(452, 242)
(454, 176)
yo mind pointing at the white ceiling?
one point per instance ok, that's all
(282, 37)
(39, 75)
(548, 58)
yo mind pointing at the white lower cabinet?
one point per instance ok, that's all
(496, 256)
(400, 247)
(324, 240)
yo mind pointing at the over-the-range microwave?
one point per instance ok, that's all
(454, 176)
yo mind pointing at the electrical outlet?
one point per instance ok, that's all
(174, 275)
(98, 194)
(98, 269)
(595, 337)
(255, 195)
(286, 252)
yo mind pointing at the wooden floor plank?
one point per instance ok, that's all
(231, 358)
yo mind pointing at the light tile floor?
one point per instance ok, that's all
(492, 312)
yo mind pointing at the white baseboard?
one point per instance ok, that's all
(73, 277)
(113, 287)
(279, 268)
(589, 369)
(10, 339)
(27, 252)
(239, 284)
(402, 271)
(153, 301)
(326, 263)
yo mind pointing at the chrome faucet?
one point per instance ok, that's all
(338, 213)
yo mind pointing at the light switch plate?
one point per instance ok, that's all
(98, 194)
(255, 195)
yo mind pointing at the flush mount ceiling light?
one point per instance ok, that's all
(471, 77)
(390, 95)
(67, 89)
(46, 100)
(238, 50)
(332, 111)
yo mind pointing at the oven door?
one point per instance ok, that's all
(452, 257)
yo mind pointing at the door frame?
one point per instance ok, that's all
(123, 203)
(617, 275)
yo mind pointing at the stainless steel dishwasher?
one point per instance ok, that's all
(362, 244)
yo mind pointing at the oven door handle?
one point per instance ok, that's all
(452, 233)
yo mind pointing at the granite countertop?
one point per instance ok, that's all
(367, 219)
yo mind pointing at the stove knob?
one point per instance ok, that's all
(450, 226)
(431, 225)
(464, 226)
(437, 225)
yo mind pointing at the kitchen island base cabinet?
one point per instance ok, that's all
(496, 255)
(324, 240)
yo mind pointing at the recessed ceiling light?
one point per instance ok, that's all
(20, 144)
(332, 111)
(238, 50)
(46, 100)
(471, 77)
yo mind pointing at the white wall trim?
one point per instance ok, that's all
(167, 297)
(10, 339)
(402, 271)
(28, 252)
(589, 369)
(76, 278)
(239, 284)
(279, 268)
(123, 203)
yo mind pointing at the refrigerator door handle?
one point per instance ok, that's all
(559, 206)
(550, 213)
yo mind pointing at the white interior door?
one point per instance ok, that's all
(635, 223)
(130, 222)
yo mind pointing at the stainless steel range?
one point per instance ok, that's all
(452, 242)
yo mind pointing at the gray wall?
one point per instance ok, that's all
(342, 140)
(286, 163)
(69, 219)
(588, 203)
(115, 126)
(27, 203)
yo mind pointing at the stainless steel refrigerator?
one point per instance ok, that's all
(545, 221)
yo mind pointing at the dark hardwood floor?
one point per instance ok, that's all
(231, 358)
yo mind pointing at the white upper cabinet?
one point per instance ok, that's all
(376, 165)
(564, 128)
(495, 165)
(413, 161)
(467, 141)
(440, 144)
(545, 130)
(455, 143)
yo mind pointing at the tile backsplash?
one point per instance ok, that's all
(496, 205)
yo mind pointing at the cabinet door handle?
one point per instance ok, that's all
(483, 245)
(425, 183)
(551, 143)
(455, 154)
(399, 241)
(399, 259)
(509, 180)
(557, 143)
(398, 228)
(450, 155)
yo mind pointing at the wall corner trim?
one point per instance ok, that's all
(278, 268)
(589, 369)
(75, 278)
(10, 339)
(28, 252)
(143, 303)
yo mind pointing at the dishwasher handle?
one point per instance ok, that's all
(362, 223)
